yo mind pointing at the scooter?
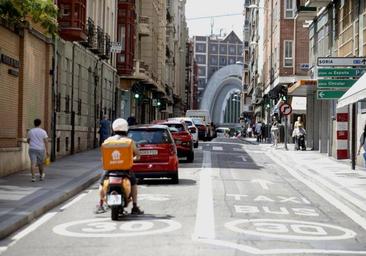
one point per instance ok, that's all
(117, 189)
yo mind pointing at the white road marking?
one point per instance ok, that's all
(238, 149)
(263, 183)
(280, 229)
(76, 199)
(199, 148)
(256, 251)
(205, 220)
(243, 158)
(328, 197)
(217, 148)
(34, 226)
(105, 228)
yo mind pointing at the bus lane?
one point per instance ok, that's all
(271, 212)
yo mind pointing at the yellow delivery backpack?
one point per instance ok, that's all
(117, 154)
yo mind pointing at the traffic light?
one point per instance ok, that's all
(137, 96)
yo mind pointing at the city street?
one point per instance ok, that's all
(237, 198)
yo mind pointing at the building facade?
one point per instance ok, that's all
(26, 90)
(213, 53)
(86, 83)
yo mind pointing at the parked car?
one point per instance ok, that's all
(183, 139)
(202, 128)
(158, 152)
(222, 132)
(191, 128)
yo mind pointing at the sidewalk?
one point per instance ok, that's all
(337, 175)
(21, 200)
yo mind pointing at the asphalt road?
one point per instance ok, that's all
(235, 199)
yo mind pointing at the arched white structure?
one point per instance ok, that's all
(220, 86)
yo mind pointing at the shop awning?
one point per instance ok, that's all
(356, 93)
(302, 87)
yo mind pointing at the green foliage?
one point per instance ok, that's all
(43, 12)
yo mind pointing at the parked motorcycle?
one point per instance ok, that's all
(118, 192)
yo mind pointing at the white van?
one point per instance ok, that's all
(205, 116)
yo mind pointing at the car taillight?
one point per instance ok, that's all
(172, 150)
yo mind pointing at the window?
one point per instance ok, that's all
(213, 48)
(213, 60)
(202, 71)
(289, 9)
(232, 50)
(223, 61)
(232, 60)
(201, 59)
(200, 47)
(288, 56)
(122, 39)
(223, 49)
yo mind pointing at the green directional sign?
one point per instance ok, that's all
(336, 83)
(329, 95)
(341, 72)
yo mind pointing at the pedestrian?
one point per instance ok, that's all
(299, 134)
(274, 132)
(38, 149)
(258, 131)
(249, 131)
(131, 121)
(104, 129)
(363, 145)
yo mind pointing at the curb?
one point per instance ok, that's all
(57, 199)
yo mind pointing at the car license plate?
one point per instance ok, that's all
(148, 152)
(114, 200)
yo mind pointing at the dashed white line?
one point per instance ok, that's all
(76, 199)
(217, 148)
(34, 226)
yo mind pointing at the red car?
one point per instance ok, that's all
(183, 139)
(158, 152)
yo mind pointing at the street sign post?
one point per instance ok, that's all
(329, 95)
(116, 47)
(341, 72)
(341, 61)
(336, 83)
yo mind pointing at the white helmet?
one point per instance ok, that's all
(120, 125)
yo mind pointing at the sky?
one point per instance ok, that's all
(203, 8)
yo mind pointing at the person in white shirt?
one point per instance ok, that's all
(38, 148)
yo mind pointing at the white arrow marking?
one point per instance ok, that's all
(243, 158)
(262, 183)
(321, 94)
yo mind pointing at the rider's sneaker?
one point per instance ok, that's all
(33, 179)
(136, 210)
(100, 209)
(42, 176)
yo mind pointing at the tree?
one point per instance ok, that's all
(43, 12)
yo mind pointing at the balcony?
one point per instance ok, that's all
(306, 12)
(143, 26)
(91, 34)
(107, 51)
(101, 41)
(317, 3)
(72, 20)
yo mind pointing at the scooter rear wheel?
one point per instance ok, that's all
(114, 212)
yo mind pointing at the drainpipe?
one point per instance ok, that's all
(72, 141)
(95, 103)
(101, 91)
(54, 95)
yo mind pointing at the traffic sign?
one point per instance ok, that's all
(329, 95)
(286, 109)
(336, 83)
(341, 61)
(341, 72)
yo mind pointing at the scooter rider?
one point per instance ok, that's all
(120, 128)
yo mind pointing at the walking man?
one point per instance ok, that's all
(104, 129)
(38, 148)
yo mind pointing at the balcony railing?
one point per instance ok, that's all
(317, 3)
(101, 41)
